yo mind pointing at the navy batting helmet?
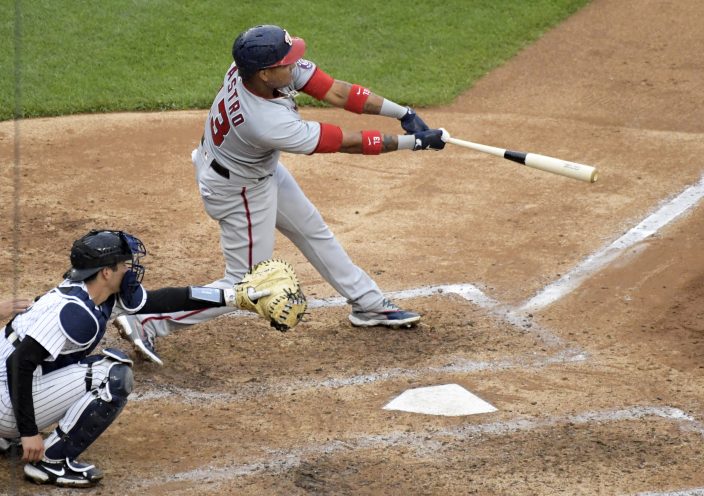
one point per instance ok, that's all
(266, 46)
(99, 249)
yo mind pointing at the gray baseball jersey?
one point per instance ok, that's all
(246, 133)
(250, 193)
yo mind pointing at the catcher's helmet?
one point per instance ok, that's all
(266, 46)
(99, 249)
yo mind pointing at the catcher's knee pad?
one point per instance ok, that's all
(120, 382)
(110, 376)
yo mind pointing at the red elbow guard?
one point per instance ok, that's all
(330, 139)
(355, 100)
(318, 85)
(371, 142)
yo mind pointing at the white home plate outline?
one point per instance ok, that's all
(450, 400)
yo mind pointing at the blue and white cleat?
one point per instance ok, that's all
(133, 331)
(390, 316)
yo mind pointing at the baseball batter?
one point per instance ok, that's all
(246, 188)
(47, 372)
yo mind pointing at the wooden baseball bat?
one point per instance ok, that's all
(573, 170)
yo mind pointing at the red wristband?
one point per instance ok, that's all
(371, 142)
(355, 100)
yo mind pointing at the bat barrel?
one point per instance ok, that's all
(573, 170)
(565, 168)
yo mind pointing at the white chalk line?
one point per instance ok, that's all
(425, 442)
(517, 317)
(668, 211)
(467, 291)
(457, 365)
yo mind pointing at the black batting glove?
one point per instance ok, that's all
(432, 138)
(411, 123)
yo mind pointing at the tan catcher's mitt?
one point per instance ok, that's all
(271, 289)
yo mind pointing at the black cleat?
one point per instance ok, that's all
(67, 473)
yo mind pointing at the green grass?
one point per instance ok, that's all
(80, 56)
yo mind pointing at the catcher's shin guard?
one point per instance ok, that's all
(100, 407)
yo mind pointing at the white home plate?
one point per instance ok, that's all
(450, 400)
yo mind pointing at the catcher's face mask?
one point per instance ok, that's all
(138, 251)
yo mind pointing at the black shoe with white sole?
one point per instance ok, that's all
(67, 473)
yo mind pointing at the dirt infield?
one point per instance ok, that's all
(599, 388)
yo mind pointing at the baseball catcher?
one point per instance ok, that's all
(271, 289)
